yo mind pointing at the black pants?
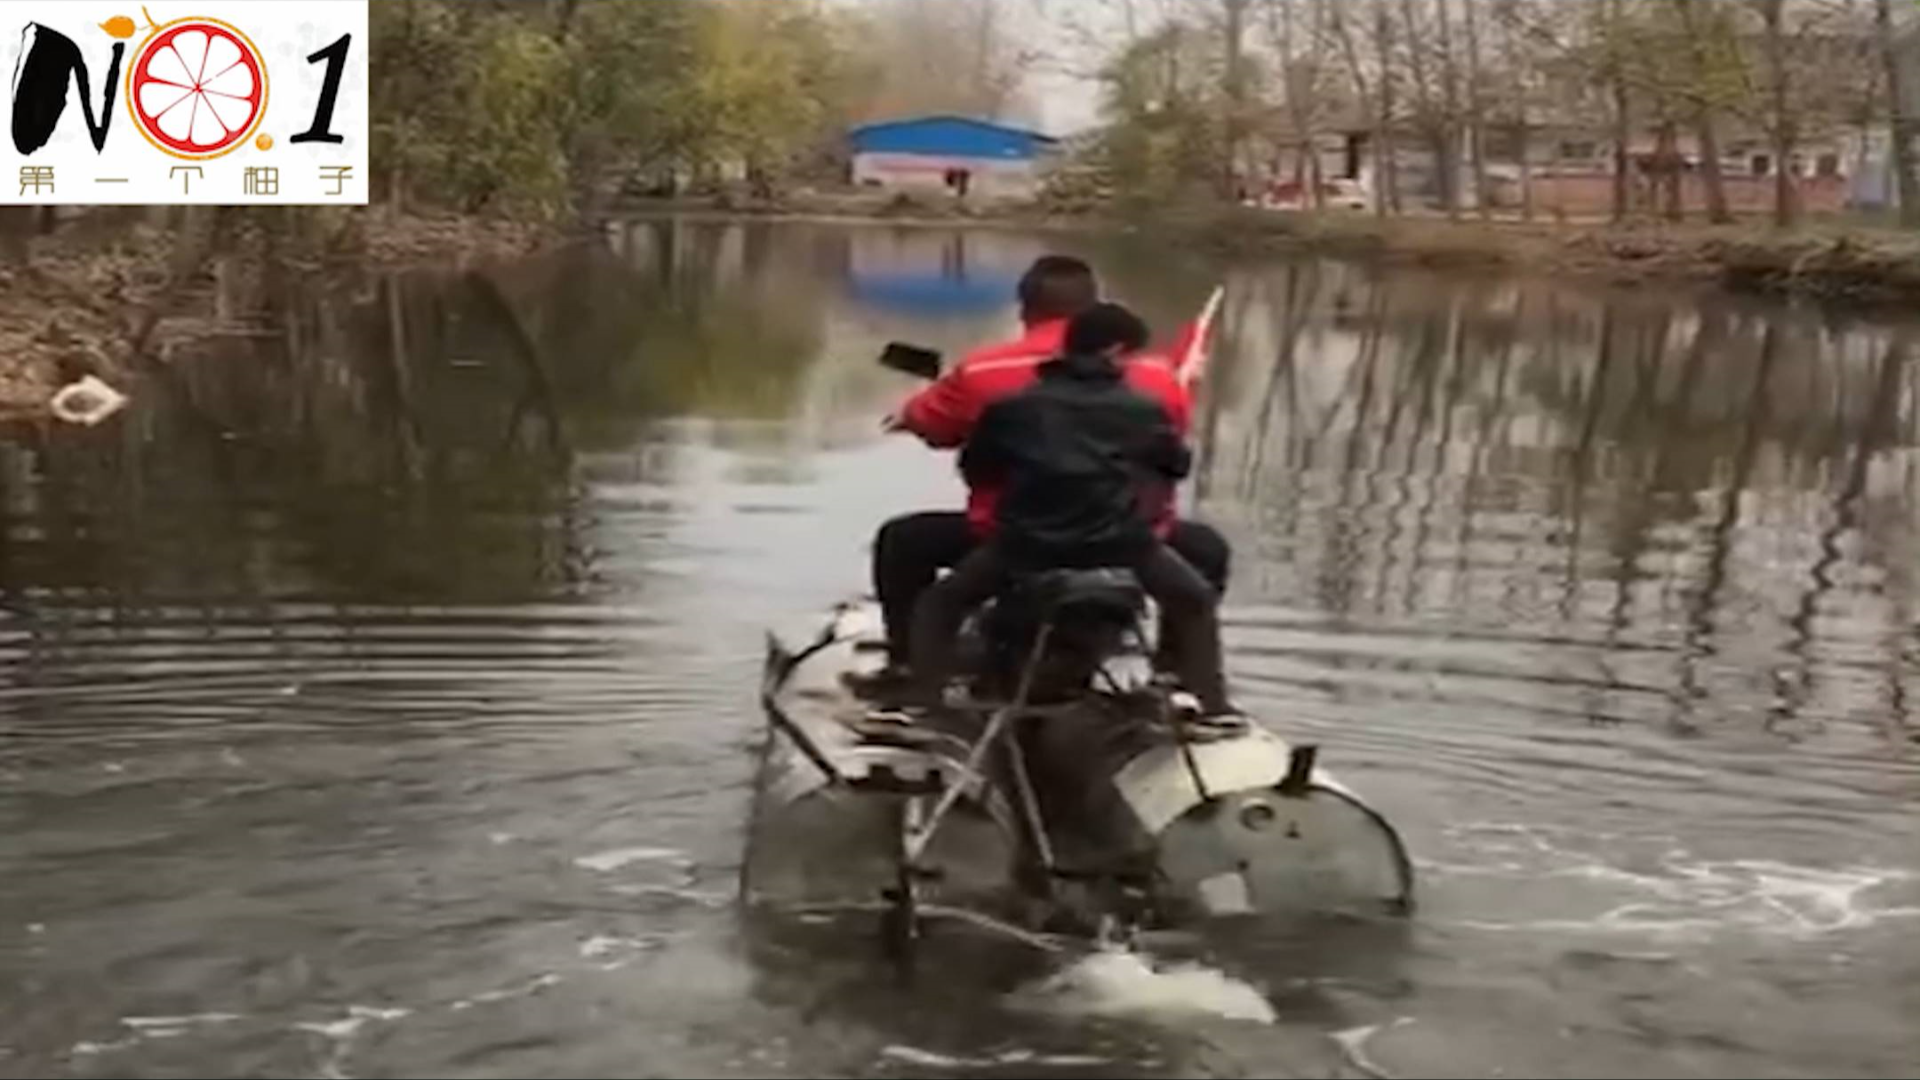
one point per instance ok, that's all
(912, 549)
(1188, 605)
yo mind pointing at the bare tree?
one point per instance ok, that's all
(1519, 92)
(1783, 125)
(1450, 107)
(1234, 99)
(1899, 124)
(1477, 113)
(1426, 108)
(1812, 70)
(1375, 96)
(1615, 69)
(1389, 175)
(955, 56)
(1302, 73)
(1701, 34)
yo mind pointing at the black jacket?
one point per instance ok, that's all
(1080, 455)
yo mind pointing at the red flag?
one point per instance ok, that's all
(1194, 346)
(1183, 343)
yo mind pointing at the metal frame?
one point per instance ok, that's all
(901, 911)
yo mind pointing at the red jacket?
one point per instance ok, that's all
(945, 413)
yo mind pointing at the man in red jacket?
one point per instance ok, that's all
(910, 550)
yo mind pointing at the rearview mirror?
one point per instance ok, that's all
(911, 360)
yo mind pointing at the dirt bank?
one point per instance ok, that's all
(1850, 265)
(102, 291)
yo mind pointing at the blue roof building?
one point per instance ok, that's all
(957, 154)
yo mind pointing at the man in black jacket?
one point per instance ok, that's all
(1083, 459)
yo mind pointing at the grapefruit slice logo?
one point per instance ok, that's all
(197, 88)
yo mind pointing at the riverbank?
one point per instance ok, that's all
(96, 296)
(1846, 263)
(103, 291)
(1831, 262)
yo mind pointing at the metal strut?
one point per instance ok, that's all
(780, 664)
(900, 923)
(1030, 815)
(917, 843)
(1181, 737)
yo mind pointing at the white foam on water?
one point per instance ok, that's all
(928, 1059)
(152, 1023)
(601, 946)
(1058, 1061)
(1353, 1045)
(172, 1027)
(606, 862)
(694, 897)
(1127, 984)
(526, 989)
(90, 1049)
(358, 1016)
(340, 1033)
(338, 1029)
(145, 1028)
(1681, 894)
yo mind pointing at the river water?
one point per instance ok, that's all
(377, 693)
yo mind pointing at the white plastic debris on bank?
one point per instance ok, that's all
(87, 402)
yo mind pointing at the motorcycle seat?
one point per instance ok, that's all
(1109, 591)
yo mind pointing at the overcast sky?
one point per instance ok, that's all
(1063, 105)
